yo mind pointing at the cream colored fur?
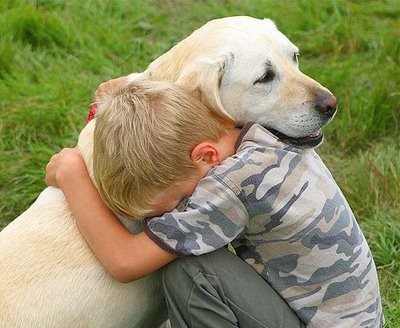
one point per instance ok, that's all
(48, 275)
(50, 278)
(220, 62)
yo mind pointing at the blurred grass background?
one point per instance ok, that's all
(54, 53)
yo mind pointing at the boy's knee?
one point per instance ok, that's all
(181, 273)
(174, 274)
(178, 279)
(185, 269)
(171, 274)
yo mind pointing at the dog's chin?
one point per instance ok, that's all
(310, 141)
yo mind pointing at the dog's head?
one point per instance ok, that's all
(245, 69)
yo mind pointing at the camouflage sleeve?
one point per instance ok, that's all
(213, 218)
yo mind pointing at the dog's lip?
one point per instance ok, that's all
(312, 140)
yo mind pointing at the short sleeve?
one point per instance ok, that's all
(213, 218)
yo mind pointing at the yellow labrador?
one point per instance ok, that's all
(241, 67)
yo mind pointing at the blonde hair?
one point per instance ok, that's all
(144, 136)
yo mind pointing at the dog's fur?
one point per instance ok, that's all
(242, 68)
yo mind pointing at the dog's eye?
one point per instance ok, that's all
(296, 56)
(267, 77)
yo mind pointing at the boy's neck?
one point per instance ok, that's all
(226, 144)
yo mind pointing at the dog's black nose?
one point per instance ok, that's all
(326, 104)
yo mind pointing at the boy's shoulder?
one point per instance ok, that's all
(258, 151)
(254, 135)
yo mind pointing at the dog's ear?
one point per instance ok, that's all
(202, 79)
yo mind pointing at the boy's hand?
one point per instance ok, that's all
(109, 87)
(68, 163)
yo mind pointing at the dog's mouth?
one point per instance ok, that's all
(312, 140)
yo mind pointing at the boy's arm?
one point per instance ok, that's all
(214, 217)
(125, 256)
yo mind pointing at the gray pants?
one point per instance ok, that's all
(221, 290)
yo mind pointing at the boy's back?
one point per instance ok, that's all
(290, 222)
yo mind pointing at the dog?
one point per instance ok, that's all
(242, 68)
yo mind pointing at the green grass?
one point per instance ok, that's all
(53, 54)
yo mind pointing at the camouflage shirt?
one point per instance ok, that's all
(286, 217)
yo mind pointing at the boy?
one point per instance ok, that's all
(277, 204)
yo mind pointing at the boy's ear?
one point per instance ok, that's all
(206, 153)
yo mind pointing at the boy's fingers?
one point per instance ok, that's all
(55, 163)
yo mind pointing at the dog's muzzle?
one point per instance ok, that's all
(313, 140)
(326, 104)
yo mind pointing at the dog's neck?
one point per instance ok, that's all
(85, 146)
